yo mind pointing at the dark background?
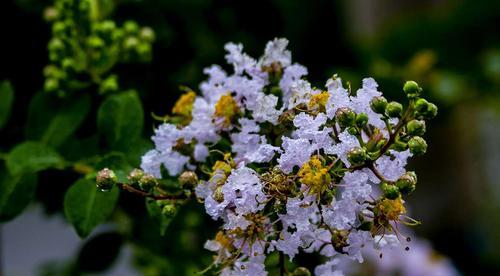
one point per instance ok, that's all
(451, 47)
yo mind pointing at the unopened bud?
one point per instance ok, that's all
(357, 156)
(394, 110)
(147, 182)
(361, 119)
(188, 179)
(416, 127)
(135, 176)
(147, 34)
(169, 210)
(431, 112)
(412, 89)
(407, 183)
(301, 271)
(390, 191)
(106, 179)
(345, 117)
(378, 104)
(421, 106)
(417, 145)
(110, 84)
(131, 27)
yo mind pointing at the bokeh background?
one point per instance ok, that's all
(452, 48)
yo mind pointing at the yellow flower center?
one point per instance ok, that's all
(390, 209)
(184, 105)
(227, 109)
(318, 101)
(315, 175)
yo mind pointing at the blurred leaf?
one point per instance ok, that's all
(31, 157)
(52, 120)
(16, 193)
(155, 213)
(100, 252)
(6, 100)
(86, 207)
(120, 120)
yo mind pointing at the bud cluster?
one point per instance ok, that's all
(287, 167)
(84, 46)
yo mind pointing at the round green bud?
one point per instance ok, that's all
(412, 89)
(106, 179)
(390, 191)
(68, 64)
(218, 195)
(147, 182)
(117, 34)
(416, 127)
(169, 210)
(345, 117)
(56, 45)
(352, 130)
(130, 27)
(135, 176)
(421, 106)
(407, 183)
(188, 179)
(361, 119)
(110, 84)
(417, 145)
(59, 28)
(378, 104)
(147, 34)
(431, 112)
(301, 271)
(95, 42)
(130, 43)
(107, 26)
(51, 84)
(394, 110)
(144, 50)
(357, 156)
(50, 14)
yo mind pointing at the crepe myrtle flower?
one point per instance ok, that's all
(285, 166)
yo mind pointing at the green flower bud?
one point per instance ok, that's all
(117, 34)
(394, 110)
(130, 43)
(345, 117)
(357, 156)
(110, 84)
(378, 104)
(169, 210)
(51, 85)
(56, 45)
(50, 14)
(107, 26)
(147, 182)
(417, 145)
(130, 27)
(412, 89)
(218, 195)
(390, 191)
(188, 179)
(95, 42)
(68, 64)
(352, 130)
(59, 28)
(416, 127)
(361, 119)
(431, 112)
(135, 176)
(106, 179)
(144, 50)
(301, 271)
(147, 34)
(421, 106)
(407, 182)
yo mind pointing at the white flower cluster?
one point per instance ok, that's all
(293, 167)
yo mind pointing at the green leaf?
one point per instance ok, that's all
(16, 193)
(86, 207)
(6, 100)
(120, 120)
(52, 120)
(155, 213)
(31, 157)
